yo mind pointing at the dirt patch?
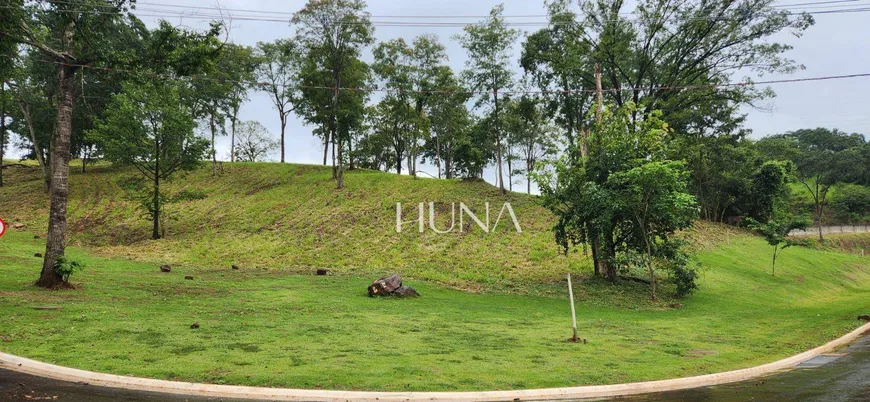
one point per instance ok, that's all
(696, 353)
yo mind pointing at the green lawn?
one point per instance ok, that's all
(271, 327)
(291, 217)
(494, 312)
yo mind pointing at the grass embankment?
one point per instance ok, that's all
(291, 218)
(262, 325)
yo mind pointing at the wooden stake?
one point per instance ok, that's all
(573, 312)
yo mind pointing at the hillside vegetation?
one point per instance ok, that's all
(291, 218)
(264, 325)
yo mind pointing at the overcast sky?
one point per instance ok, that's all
(836, 45)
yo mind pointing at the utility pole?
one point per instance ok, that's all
(600, 109)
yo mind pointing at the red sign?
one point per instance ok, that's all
(2, 228)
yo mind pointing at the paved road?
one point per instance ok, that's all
(827, 378)
(840, 377)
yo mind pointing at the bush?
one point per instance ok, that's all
(685, 276)
(682, 269)
(65, 267)
(850, 204)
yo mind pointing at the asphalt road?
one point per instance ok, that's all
(838, 377)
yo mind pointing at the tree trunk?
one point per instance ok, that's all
(819, 211)
(350, 153)
(213, 152)
(325, 147)
(510, 171)
(339, 172)
(2, 127)
(498, 145)
(283, 129)
(773, 265)
(233, 134)
(438, 155)
(649, 265)
(530, 166)
(610, 248)
(155, 234)
(55, 245)
(37, 149)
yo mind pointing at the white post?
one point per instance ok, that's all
(573, 312)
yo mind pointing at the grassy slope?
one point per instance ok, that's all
(263, 326)
(268, 328)
(290, 217)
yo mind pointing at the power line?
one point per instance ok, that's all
(197, 14)
(813, 3)
(467, 92)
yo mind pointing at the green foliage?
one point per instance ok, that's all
(250, 318)
(450, 123)
(408, 71)
(850, 204)
(64, 266)
(625, 197)
(488, 71)
(332, 60)
(278, 70)
(822, 158)
(775, 231)
(150, 126)
(557, 58)
(656, 198)
(769, 189)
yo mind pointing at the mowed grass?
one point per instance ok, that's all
(494, 312)
(291, 217)
(273, 328)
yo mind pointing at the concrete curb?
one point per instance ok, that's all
(27, 366)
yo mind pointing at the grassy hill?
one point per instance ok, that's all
(291, 218)
(263, 325)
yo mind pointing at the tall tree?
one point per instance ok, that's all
(151, 127)
(596, 199)
(667, 44)
(822, 158)
(530, 133)
(488, 71)
(32, 118)
(558, 60)
(333, 34)
(657, 198)
(449, 122)
(240, 62)
(71, 33)
(278, 73)
(254, 141)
